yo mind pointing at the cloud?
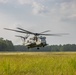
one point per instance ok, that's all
(37, 5)
(64, 9)
(3, 1)
(25, 1)
(60, 8)
(38, 8)
(68, 10)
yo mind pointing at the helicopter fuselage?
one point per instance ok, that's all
(36, 42)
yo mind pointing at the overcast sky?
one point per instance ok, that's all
(59, 16)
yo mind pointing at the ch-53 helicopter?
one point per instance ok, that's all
(38, 40)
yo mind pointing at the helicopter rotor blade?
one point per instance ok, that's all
(60, 34)
(14, 30)
(25, 30)
(28, 32)
(45, 31)
(36, 34)
(22, 31)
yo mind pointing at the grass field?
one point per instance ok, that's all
(32, 63)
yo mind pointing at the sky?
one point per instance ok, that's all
(58, 16)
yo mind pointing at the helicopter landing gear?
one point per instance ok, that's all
(37, 47)
(43, 46)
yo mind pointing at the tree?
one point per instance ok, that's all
(6, 45)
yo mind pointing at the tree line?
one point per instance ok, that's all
(7, 45)
(51, 48)
(65, 47)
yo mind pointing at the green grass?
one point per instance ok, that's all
(38, 63)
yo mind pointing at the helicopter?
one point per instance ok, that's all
(38, 40)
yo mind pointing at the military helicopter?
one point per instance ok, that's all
(38, 40)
